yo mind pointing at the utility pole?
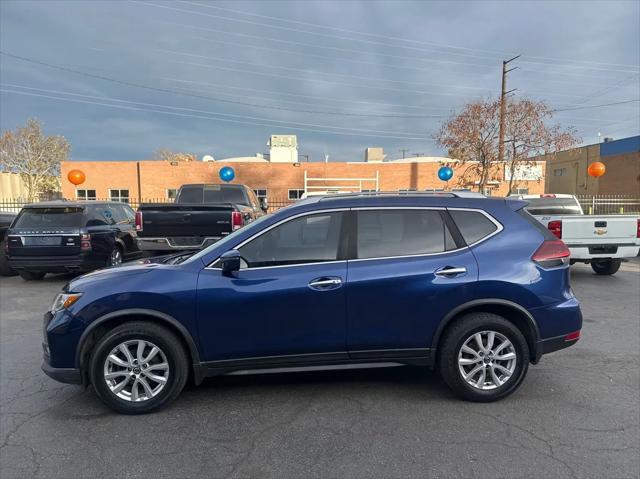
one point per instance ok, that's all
(503, 105)
(404, 150)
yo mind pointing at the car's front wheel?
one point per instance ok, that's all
(138, 367)
(31, 275)
(606, 266)
(483, 357)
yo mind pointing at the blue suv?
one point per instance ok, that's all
(472, 286)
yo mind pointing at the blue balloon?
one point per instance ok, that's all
(227, 173)
(445, 173)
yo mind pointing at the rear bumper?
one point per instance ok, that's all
(585, 252)
(174, 244)
(54, 264)
(546, 346)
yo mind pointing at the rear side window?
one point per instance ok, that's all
(473, 225)
(100, 215)
(387, 233)
(49, 217)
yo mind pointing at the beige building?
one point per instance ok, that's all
(567, 171)
(11, 186)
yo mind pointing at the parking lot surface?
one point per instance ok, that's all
(576, 415)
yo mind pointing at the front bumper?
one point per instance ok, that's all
(54, 264)
(63, 375)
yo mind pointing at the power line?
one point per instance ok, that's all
(175, 92)
(306, 32)
(596, 106)
(439, 45)
(350, 130)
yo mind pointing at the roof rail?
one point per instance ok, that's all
(444, 194)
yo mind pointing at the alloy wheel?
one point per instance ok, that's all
(487, 360)
(136, 370)
(116, 257)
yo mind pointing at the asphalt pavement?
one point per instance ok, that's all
(576, 415)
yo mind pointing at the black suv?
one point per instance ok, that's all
(64, 236)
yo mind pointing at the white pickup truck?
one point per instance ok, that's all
(601, 241)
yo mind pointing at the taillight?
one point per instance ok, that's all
(572, 336)
(552, 253)
(237, 221)
(138, 220)
(638, 229)
(85, 242)
(555, 227)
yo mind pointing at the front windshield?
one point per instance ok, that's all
(226, 239)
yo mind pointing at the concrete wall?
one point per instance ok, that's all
(11, 186)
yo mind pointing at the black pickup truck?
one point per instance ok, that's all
(201, 215)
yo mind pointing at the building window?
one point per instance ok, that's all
(86, 194)
(409, 190)
(260, 193)
(295, 194)
(522, 191)
(119, 195)
(559, 172)
(172, 193)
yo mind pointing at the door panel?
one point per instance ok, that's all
(271, 312)
(397, 303)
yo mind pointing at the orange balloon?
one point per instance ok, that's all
(596, 169)
(76, 177)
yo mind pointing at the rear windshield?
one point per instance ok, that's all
(212, 194)
(553, 206)
(49, 217)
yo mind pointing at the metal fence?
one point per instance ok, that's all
(610, 204)
(13, 205)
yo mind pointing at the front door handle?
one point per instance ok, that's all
(450, 271)
(325, 283)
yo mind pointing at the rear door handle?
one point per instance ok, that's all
(450, 271)
(325, 283)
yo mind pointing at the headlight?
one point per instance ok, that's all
(63, 301)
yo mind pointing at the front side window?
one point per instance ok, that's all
(309, 239)
(473, 225)
(388, 233)
(119, 195)
(86, 194)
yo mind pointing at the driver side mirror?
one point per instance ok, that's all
(264, 204)
(230, 261)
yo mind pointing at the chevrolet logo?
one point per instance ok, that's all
(600, 231)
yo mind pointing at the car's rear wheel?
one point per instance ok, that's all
(32, 275)
(138, 367)
(483, 357)
(115, 257)
(606, 266)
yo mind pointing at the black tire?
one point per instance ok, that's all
(454, 338)
(164, 339)
(5, 269)
(606, 266)
(31, 275)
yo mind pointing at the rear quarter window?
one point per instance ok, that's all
(473, 225)
(548, 235)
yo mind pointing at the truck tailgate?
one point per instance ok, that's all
(599, 229)
(170, 220)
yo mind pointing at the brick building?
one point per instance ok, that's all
(279, 175)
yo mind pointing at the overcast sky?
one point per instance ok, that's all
(340, 75)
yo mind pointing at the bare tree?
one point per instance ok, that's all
(472, 137)
(527, 135)
(164, 154)
(34, 156)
